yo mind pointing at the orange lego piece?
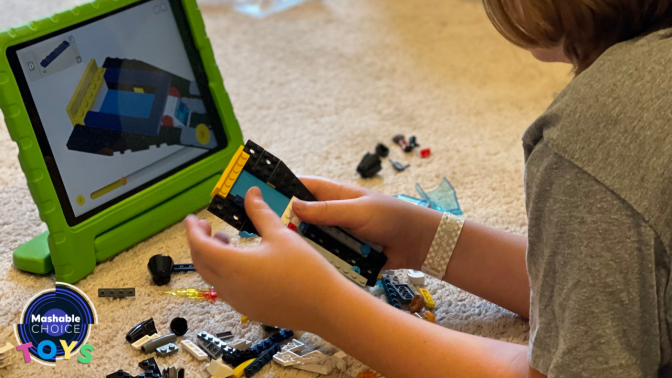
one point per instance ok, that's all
(430, 317)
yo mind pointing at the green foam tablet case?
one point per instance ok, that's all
(72, 252)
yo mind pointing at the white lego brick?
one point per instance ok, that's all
(314, 368)
(339, 361)
(239, 344)
(144, 340)
(314, 357)
(293, 346)
(415, 277)
(194, 350)
(288, 215)
(286, 358)
(218, 368)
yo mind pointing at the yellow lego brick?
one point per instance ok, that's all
(138, 90)
(86, 93)
(239, 371)
(429, 301)
(244, 319)
(231, 173)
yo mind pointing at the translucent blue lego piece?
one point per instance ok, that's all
(443, 198)
(246, 235)
(365, 250)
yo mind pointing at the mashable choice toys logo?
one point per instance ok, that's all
(55, 325)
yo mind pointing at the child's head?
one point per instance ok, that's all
(576, 31)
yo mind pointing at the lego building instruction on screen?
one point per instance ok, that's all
(118, 102)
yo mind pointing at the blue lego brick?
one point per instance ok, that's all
(261, 361)
(55, 54)
(276, 201)
(278, 338)
(126, 103)
(390, 292)
(182, 113)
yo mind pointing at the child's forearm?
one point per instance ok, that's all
(396, 344)
(491, 264)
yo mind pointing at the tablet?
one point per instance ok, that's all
(116, 104)
(119, 101)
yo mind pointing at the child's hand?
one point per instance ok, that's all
(405, 230)
(280, 282)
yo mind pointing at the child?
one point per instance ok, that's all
(593, 272)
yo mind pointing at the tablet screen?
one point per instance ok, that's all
(118, 103)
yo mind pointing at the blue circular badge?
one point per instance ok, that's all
(54, 317)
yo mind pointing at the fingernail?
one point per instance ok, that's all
(299, 205)
(255, 192)
(224, 238)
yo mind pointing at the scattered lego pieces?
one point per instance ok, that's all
(167, 350)
(179, 326)
(202, 294)
(217, 368)
(117, 293)
(244, 319)
(158, 342)
(239, 371)
(424, 153)
(161, 267)
(369, 166)
(210, 345)
(143, 328)
(293, 346)
(224, 335)
(149, 365)
(194, 350)
(405, 292)
(382, 150)
(430, 317)
(398, 166)
(144, 340)
(416, 277)
(401, 141)
(417, 304)
(429, 301)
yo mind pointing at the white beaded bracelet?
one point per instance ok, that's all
(443, 245)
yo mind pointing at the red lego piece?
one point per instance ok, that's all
(174, 92)
(167, 121)
(292, 226)
(424, 153)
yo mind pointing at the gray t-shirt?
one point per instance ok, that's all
(598, 188)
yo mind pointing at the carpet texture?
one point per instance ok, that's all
(319, 85)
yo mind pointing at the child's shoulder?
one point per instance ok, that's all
(614, 121)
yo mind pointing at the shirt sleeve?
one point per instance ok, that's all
(591, 259)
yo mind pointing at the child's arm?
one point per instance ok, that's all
(486, 262)
(284, 282)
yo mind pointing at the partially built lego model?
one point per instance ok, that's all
(252, 166)
(131, 105)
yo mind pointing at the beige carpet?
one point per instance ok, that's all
(320, 85)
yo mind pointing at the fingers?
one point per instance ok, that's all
(200, 241)
(347, 213)
(263, 218)
(327, 190)
(224, 238)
